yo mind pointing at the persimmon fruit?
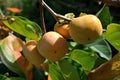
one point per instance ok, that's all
(62, 29)
(31, 53)
(49, 77)
(52, 46)
(85, 29)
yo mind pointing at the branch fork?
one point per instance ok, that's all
(54, 14)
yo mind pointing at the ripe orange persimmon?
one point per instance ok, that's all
(85, 29)
(63, 29)
(31, 53)
(52, 46)
(49, 77)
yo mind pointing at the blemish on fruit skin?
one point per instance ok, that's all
(88, 39)
(55, 52)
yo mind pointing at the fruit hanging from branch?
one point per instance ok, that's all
(62, 29)
(62, 26)
(31, 53)
(85, 29)
(52, 46)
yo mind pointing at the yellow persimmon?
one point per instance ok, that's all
(85, 29)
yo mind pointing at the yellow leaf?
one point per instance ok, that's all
(107, 71)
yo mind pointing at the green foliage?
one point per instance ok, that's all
(80, 59)
(24, 27)
(105, 16)
(71, 70)
(54, 72)
(112, 35)
(102, 47)
(11, 78)
(8, 58)
(66, 69)
(88, 60)
(3, 77)
(16, 78)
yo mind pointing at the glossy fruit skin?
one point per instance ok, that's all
(31, 53)
(52, 46)
(62, 29)
(85, 29)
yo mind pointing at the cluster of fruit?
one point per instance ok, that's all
(53, 45)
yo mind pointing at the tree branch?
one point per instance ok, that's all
(55, 15)
(42, 17)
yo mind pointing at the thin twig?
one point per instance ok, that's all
(42, 16)
(55, 15)
(50, 10)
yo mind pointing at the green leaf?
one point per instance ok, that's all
(24, 27)
(16, 78)
(112, 35)
(102, 47)
(118, 79)
(104, 16)
(112, 28)
(88, 60)
(72, 45)
(71, 70)
(3, 77)
(55, 72)
(7, 55)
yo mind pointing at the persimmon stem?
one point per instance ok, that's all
(104, 30)
(54, 14)
(42, 16)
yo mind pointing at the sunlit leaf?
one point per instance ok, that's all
(112, 35)
(107, 71)
(55, 72)
(71, 70)
(24, 27)
(88, 60)
(104, 16)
